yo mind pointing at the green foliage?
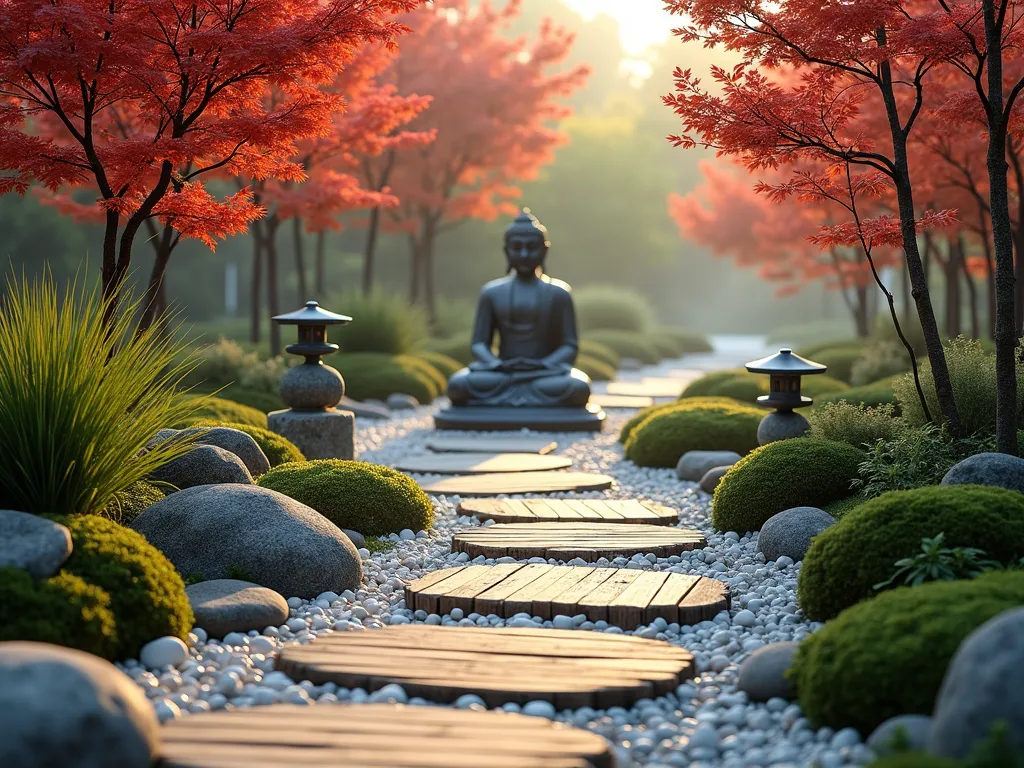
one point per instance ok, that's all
(264, 402)
(803, 471)
(597, 370)
(819, 384)
(627, 344)
(376, 545)
(457, 348)
(668, 347)
(374, 376)
(664, 436)
(992, 752)
(841, 508)
(62, 610)
(218, 409)
(277, 449)
(873, 395)
(901, 641)
(735, 383)
(937, 562)
(79, 400)
(129, 503)
(438, 381)
(448, 366)
(881, 360)
(884, 330)
(846, 561)
(226, 362)
(599, 351)
(454, 318)
(687, 342)
(642, 415)
(381, 322)
(369, 498)
(859, 426)
(839, 360)
(610, 307)
(972, 372)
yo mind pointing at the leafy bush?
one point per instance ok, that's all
(736, 383)
(79, 400)
(688, 342)
(609, 307)
(225, 362)
(219, 409)
(879, 361)
(937, 562)
(660, 439)
(457, 348)
(381, 323)
(374, 376)
(597, 370)
(845, 562)
(277, 449)
(884, 330)
(972, 372)
(628, 344)
(872, 395)
(909, 634)
(599, 351)
(129, 503)
(371, 499)
(854, 424)
(448, 366)
(803, 471)
(839, 360)
(642, 415)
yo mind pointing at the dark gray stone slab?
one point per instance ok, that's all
(33, 544)
(491, 444)
(480, 463)
(486, 418)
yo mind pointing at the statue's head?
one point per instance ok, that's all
(526, 243)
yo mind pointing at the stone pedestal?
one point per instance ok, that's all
(781, 425)
(326, 434)
(487, 418)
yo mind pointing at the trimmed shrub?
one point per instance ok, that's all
(667, 346)
(901, 641)
(688, 342)
(845, 562)
(838, 360)
(609, 307)
(736, 383)
(843, 507)
(456, 347)
(818, 348)
(448, 366)
(872, 395)
(878, 361)
(218, 409)
(369, 498)
(642, 415)
(597, 370)
(374, 376)
(382, 323)
(660, 439)
(129, 503)
(820, 384)
(855, 424)
(916, 760)
(264, 402)
(804, 471)
(599, 351)
(277, 449)
(438, 380)
(628, 344)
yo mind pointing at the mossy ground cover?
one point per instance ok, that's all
(660, 439)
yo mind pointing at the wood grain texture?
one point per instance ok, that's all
(480, 463)
(568, 668)
(616, 595)
(569, 510)
(376, 736)
(518, 483)
(538, 445)
(571, 539)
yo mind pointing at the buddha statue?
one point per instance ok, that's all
(530, 381)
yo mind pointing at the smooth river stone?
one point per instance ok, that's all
(33, 544)
(229, 605)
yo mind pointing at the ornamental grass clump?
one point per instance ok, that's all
(859, 426)
(80, 398)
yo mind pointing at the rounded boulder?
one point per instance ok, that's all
(282, 544)
(203, 465)
(790, 532)
(998, 470)
(693, 465)
(712, 478)
(234, 441)
(762, 674)
(33, 544)
(229, 605)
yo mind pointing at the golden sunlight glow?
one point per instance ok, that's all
(642, 23)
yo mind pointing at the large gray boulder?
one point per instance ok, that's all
(234, 441)
(62, 707)
(984, 684)
(999, 470)
(203, 465)
(33, 544)
(693, 465)
(279, 543)
(229, 605)
(762, 674)
(909, 732)
(790, 532)
(712, 478)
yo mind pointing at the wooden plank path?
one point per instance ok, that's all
(538, 445)
(519, 482)
(377, 736)
(623, 597)
(567, 540)
(621, 401)
(568, 668)
(480, 463)
(569, 510)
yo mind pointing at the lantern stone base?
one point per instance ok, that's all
(326, 434)
(781, 425)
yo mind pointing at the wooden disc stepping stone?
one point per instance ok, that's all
(568, 668)
(567, 540)
(480, 463)
(569, 510)
(538, 445)
(377, 736)
(647, 388)
(622, 401)
(621, 596)
(521, 482)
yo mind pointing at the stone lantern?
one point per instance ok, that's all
(784, 370)
(312, 390)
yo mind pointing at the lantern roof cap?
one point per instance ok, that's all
(312, 314)
(785, 361)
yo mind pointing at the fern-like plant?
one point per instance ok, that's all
(937, 562)
(79, 399)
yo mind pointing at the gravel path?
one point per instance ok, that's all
(704, 723)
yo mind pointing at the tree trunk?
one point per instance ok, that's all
(273, 306)
(321, 279)
(151, 307)
(972, 290)
(905, 292)
(1002, 240)
(429, 292)
(990, 270)
(255, 294)
(415, 267)
(370, 251)
(1018, 235)
(952, 269)
(300, 260)
(861, 315)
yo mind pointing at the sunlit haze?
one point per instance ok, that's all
(642, 22)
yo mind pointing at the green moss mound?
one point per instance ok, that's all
(262, 401)
(277, 449)
(129, 503)
(597, 370)
(843, 507)
(847, 560)
(688, 342)
(915, 760)
(600, 307)
(62, 610)
(822, 384)
(628, 344)
(887, 656)
(666, 344)
(642, 415)
(368, 498)
(873, 395)
(599, 351)
(374, 376)
(804, 471)
(456, 347)
(663, 437)
(735, 383)
(448, 366)
(219, 409)
(839, 360)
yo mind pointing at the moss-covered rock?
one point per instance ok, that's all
(277, 449)
(802, 472)
(375, 376)
(628, 344)
(845, 562)
(221, 410)
(129, 503)
(597, 370)
(643, 414)
(660, 439)
(887, 656)
(369, 498)
(843, 507)
(734, 382)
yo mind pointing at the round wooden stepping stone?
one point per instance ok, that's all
(521, 482)
(622, 401)
(569, 668)
(537, 445)
(621, 596)
(566, 540)
(480, 463)
(569, 510)
(377, 736)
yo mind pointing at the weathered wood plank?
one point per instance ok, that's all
(480, 463)
(519, 483)
(571, 510)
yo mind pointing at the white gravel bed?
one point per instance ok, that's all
(707, 722)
